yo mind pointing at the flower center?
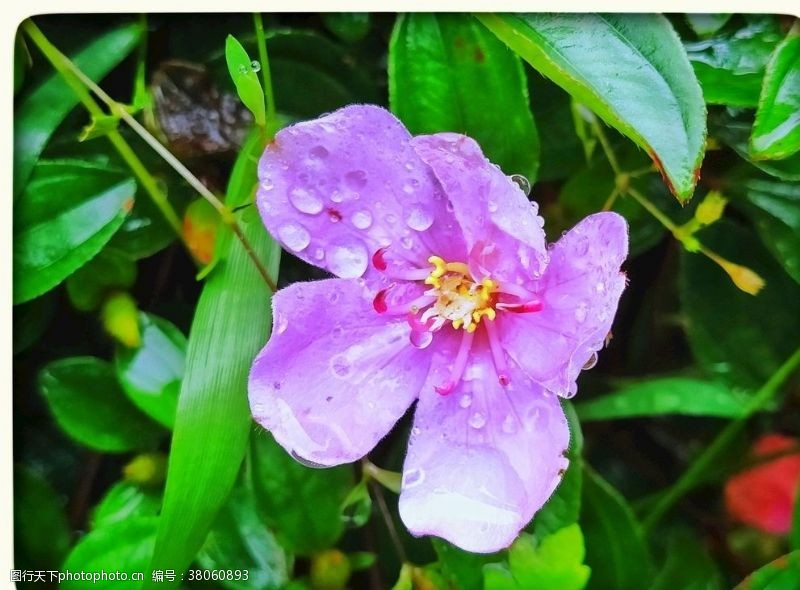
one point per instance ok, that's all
(459, 299)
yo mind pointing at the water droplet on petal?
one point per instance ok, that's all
(390, 218)
(361, 219)
(600, 287)
(294, 236)
(408, 189)
(308, 463)
(336, 197)
(318, 152)
(319, 253)
(340, 365)
(581, 311)
(522, 182)
(281, 323)
(465, 400)
(305, 201)
(418, 218)
(406, 242)
(415, 431)
(412, 477)
(266, 184)
(491, 205)
(356, 179)
(348, 260)
(421, 339)
(255, 65)
(509, 424)
(477, 420)
(591, 362)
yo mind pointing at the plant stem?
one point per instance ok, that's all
(62, 65)
(387, 518)
(601, 136)
(653, 210)
(705, 461)
(266, 75)
(65, 66)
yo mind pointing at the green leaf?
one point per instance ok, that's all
(781, 574)
(463, 570)
(688, 565)
(554, 563)
(730, 67)
(740, 338)
(244, 74)
(124, 546)
(240, 541)
(231, 323)
(707, 24)
(41, 530)
(615, 547)
(357, 505)
(794, 537)
(30, 320)
(151, 374)
(69, 211)
(774, 207)
(776, 133)
(631, 70)
(22, 61)
(284, 490)
(660, 397)
(448, 73)
(564, 506)
(110, 270)
(350, 27)
(123, 501)
(89, 405)
(45, 108)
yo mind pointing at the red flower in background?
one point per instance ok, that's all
(764, 496)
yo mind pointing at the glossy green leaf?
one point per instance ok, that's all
(615, 546)
(448, 73)
(123, 501)
(631, 70)
(30, 320)
(688, 565)
(244, 74)
(735, 129)
(88, 404)
(350, 27)
(68, 212)
(730, 67)
(740, 338)
(552, 563)
(660, 397)
(707, 24)
(43, 110)
(231, 323)
(284, 490)
(151, 374)
(357, 505)
(461, 569)
(780, 574)
(108, 271)
(563, 507)
(41, 530)
(239, 540)
(775, 209)
(124, 546)
(776, 133)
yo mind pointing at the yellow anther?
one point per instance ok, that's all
(472, 327)
(458, 267)
(457, 324)
(439, 266)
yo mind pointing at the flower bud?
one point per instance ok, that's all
(147, 469)
(200, 225)
(711, 208)
(330, 570)
(120, 318)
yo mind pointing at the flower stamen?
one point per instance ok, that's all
(460, 363)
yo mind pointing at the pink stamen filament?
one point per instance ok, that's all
(498, 356)
(414, 306)
(460, 363)
(527, 307)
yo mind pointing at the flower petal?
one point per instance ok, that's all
(503, 231)
(336, 189)
(580, 292)
(482, 460)
(335, 376)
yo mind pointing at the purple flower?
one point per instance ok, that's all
(447, 294)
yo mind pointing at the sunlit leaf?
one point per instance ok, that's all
(124, 501)
(244, 73)
(782, 573)
(89, 405)
(631, 70)
(448, 73)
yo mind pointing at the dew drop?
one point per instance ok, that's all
(294, 236)
(340, 366)
(281, 323)
(319, 253)
(415, 431)
(408, 189)
(412, 478)
(522, 182)
(591, 362)
(581, 311)
(255, 65)
(600, 287)
(318, 152)
(477, 420)
(337, 332)
(266, 184)
(465, 401)
(348, 260)
(421, 339)
(406, 242)
(361, 219)
(418, 218)
(336, 197)
(305, 201)
(491, 205)
(243, 69)
(356, 179)
(409, 166)
(509, 424)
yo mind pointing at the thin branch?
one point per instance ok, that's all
(387, 518)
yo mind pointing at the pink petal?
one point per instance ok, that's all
(335, 376)
(483, 459)
(336, 189)
(503, 231)
(580, 292)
